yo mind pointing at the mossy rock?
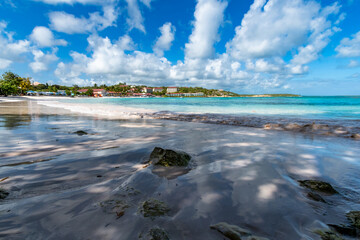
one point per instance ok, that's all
(154, 208)
(3, 193)
(115, 206)
(168, 157)
(354, 217)
(328, 235)
(158, 234)
(234, 232)
(318, 186)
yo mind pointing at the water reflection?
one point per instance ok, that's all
(14, 121)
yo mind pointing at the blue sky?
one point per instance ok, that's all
(309, 47)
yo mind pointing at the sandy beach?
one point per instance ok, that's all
(77, 176)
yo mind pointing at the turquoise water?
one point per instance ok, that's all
(335, 108)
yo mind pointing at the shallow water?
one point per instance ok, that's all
(340, 108)
(243, 176)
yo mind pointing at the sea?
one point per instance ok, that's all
(321, 108)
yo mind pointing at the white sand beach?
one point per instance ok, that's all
(67, 184)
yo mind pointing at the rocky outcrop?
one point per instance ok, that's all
(115, 206)
(154, 208)
(168, 157)
(328, 235)
(234, 232)
(318, 186)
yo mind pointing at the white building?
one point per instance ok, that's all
(172, 89)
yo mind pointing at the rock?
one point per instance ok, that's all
(3, 193)
(316, 197)
(355, 136)
(80, 133)
(293, 126)
(168, 157)
(344, 230)
(328, 235)
(318, 186)
(234, 232)
(114, 206)
(158, 234)
(354, 217)
(276, 126)
(154, 208)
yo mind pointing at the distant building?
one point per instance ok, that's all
(157, 89)
(84, 90)
(99, 92)
(172, 89)
(113, 94)
(36, 83)
(147, 90)
(199, 94)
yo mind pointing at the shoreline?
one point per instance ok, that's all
(319, 127)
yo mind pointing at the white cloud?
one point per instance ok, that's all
(135, 19)
(42, 60)
(163, 43)
(146, 2)
(353, 64)
(349, 47)
(209, 14)
(43, 37)
(68, 23)
(10, 49)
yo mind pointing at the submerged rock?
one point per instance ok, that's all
(328, 235)
(168, 157)
(318, 186)
(80, 133)
(154, 208)
(158, 234)
(316, 197)
(114, 206)
(3, 193)
(234, 232)
(354, 217)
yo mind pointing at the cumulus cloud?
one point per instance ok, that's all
(275, 41)
(70, 24)
(349, 47)
(209, 14)
(10, 49)
(163, 43)
(42, 60)
(135, 19)
(43, 37)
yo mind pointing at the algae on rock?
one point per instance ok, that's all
(154, 208)
(354, 217)
(318, 186)
(168, 157)
(3, 193)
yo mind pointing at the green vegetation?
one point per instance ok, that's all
(13, 84)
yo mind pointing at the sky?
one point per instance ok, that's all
(307, 47)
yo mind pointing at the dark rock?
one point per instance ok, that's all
(80, 133)
(158, 234)
(318, 186)
(328, 235)
(168, 157)
(154, 208)
(344, 230)
(315, 197)
(99, 176)
(3, 193)
(234, 232)
(354, 217)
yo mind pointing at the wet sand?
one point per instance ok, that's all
(68, 186)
